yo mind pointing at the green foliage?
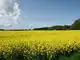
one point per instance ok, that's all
(44, 28)
(76, 25)
(63, 58)
(75, 56)
(57, 27)
(20, 55)
(1, 29)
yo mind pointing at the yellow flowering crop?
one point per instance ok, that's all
(39, 41)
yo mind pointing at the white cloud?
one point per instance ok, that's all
(9, 12)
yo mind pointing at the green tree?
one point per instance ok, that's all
(76, 25)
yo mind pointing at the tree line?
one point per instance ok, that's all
(74, 26)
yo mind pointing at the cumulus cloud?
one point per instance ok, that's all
(9, 12)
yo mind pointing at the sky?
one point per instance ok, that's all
(40, 13)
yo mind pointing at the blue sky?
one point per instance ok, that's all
(38, 13)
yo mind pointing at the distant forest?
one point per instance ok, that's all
(74, 26)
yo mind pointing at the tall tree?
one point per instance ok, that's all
(76, 25)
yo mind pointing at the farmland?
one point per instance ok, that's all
(38, 45)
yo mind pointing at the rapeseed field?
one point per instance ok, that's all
(38, 45)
